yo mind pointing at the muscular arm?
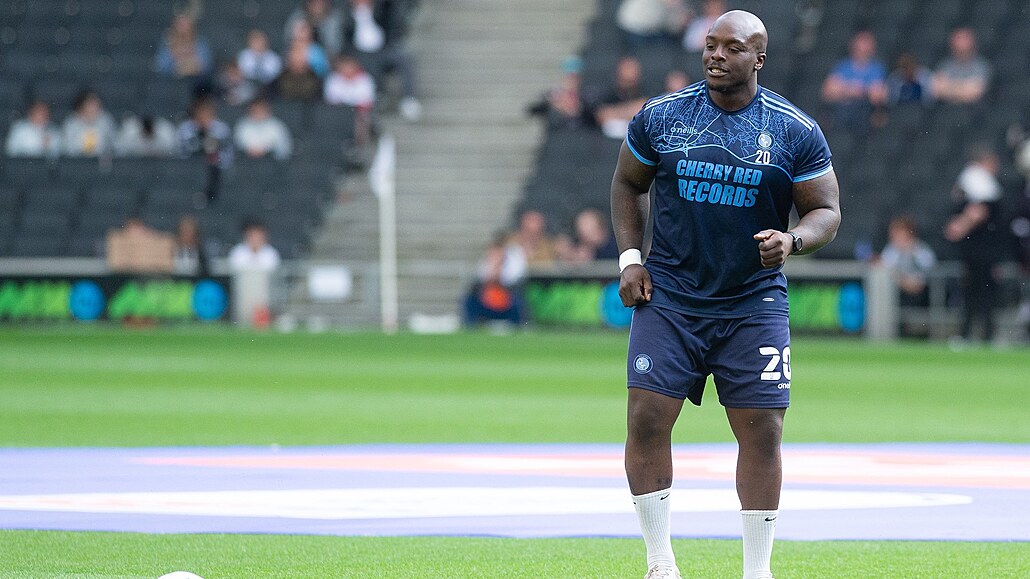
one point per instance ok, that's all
(818, 204)
(630, 185)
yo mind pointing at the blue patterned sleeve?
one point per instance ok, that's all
(812, 159)
(638, 141)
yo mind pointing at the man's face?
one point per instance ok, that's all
(257, 41)
(39, 114)
(730, 59)
(863, 47)
(628, 73)
(963, 43)
(256, 238)
(260, 111)
(317, 8)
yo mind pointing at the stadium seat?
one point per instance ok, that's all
(95, 221)
(294, 115)
(79, 173)
(43, 222)
(38, 245)
(25, 172)
(52, 197)
(86, 245)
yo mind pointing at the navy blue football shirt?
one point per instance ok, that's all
(721, 178)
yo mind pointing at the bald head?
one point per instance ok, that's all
(743, 25)
(734, 53)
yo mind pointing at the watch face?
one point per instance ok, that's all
(797, 242)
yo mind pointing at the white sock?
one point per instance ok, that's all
(759, 528)
(655, 520)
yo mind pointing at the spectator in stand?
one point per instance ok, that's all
(594, 239)
(34, 135)
(909, 82)
(325, 21)
(297, 81)
(90, 130)
(1020, 224)
(910, 259)
(961, 78)
(855, 86)
(146, 136)
(614, 110)
(258, 62)
(260, 134)
(254, 252)
(537, 247)
(676, 80)
(648, 22)
(190, 257)
(375, 30)
(234, 88)
(494, 297)
(204, 135)
(349, 84)
(563, 106)
(303, 39)
(975, 227)
(698, 27)
(184, 54)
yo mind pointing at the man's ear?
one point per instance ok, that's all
(760, 62)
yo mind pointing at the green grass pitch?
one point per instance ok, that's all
(92, 386)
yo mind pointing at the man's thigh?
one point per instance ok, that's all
(666, 354)
(751, 362)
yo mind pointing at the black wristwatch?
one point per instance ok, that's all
(798, 242)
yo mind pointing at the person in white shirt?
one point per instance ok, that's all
(254, 252)
(375, 31)
(258, 62)
(349, 84)
(34, 136)
(90, 130)
(260, 134)
(146, 136)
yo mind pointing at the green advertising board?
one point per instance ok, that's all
(116, 297)
(828, 306)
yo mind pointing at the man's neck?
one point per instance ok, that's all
(736, 99)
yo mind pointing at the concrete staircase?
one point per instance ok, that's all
(462, 167)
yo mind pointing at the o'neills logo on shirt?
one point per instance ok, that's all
(717, 183)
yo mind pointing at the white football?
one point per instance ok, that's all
(180, 575)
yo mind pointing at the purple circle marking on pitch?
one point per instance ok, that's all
(881, 491)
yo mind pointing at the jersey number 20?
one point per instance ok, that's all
(770, 372)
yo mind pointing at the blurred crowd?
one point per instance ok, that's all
(348, 53)
(337, 54)
(860, 89)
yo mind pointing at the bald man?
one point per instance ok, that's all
(728, 159)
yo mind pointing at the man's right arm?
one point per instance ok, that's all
(630, 206)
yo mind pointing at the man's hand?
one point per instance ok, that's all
(635, 287)
(774, 247)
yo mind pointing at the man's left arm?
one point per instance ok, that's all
(818, 204)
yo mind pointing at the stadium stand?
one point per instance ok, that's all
(64, 206)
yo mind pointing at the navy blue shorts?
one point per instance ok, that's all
(673, 353)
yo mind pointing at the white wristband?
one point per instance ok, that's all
(630, 257)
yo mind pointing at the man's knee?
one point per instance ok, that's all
(759, 430)
(651, 416)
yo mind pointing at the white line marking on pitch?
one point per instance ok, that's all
(436, 502)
